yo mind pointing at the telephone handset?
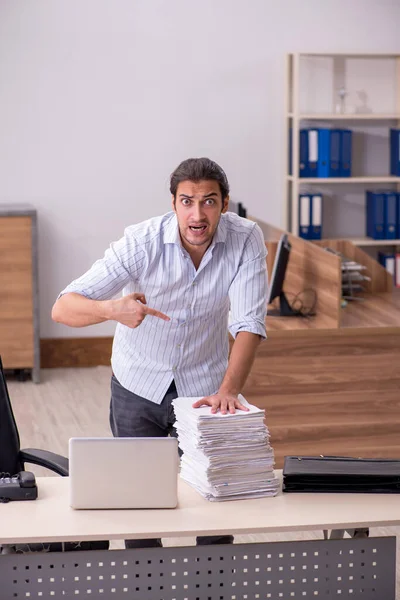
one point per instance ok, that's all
(21, 486)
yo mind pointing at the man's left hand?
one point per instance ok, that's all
(223, 402)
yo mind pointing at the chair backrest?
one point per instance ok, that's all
(9, 438)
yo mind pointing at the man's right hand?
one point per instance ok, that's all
(131, 310)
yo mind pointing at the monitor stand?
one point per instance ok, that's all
(284, 310)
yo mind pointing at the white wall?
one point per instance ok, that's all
(100, 100)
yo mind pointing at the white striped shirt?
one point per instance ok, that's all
(192, 348)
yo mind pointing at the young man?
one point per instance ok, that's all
(181, 275)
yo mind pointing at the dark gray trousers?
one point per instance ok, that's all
(134, 416)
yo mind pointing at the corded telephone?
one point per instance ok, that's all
(21, 486)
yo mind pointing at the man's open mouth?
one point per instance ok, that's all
(197, 228)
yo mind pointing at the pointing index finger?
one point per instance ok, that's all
(156, 313)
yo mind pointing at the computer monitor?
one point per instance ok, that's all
(278, 278)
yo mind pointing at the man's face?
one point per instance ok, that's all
(198, 208)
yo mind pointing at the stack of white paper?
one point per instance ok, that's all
(225, 457)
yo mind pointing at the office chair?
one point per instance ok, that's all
(13, 459)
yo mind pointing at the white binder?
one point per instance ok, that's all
(305, 216)
(316, 216)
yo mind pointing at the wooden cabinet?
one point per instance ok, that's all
(19, 305)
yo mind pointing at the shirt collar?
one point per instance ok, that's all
(171, 232)
(220, 234)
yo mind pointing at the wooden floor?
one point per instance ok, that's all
(74, 402)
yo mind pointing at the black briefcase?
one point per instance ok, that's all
(341, 474)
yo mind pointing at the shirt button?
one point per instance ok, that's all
(178, 345)
(174, 368)
(194, 282)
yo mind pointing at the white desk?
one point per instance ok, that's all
(49, 518)
(361, 568)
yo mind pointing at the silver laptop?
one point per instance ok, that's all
(123, 472)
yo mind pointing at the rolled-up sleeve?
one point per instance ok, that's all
(122, 263)
(249, 289)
